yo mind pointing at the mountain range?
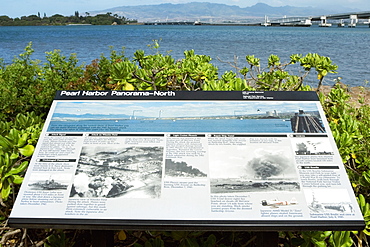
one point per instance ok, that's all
(64, 116)
(213, 12)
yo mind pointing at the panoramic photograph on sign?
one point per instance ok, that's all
(185, 116)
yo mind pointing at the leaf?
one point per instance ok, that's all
(189, 242)
(178, 235)
(148, 244)
(157, 242)
(5, 190)
(58, 239)
(341, 239)
(22, 140)
(14, 156)
(129, 87)
(211, 241)
(122, 235)
(27, 150)
(319, 243)
(17, 179)
(5, 143)
(18, 169)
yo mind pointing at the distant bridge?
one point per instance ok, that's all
(172, 23)
(351, 19)
(356, 15)
(307, 21)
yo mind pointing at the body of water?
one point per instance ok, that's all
(200, 126)
(347, 47)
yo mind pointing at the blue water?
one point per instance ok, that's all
(347, 47)
(198, 126)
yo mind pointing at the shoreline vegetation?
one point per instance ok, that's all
(27, 88)
(60, 20)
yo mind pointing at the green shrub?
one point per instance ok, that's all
(27, 89)
(27, 86)
(17, 143)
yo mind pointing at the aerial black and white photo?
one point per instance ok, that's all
(183, 169)
(105, 171)
(252, 169)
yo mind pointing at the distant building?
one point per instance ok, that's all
(272, 113)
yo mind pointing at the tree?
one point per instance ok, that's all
(57, 19)
(6, 21)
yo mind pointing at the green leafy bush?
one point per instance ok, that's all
(27, 89)
(17, 143)
(27, 86)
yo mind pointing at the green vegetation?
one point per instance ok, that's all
(27, 88)
(37, 20)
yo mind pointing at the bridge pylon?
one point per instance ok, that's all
(354, 21)
(323, 22)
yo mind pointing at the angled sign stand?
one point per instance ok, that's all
(175, 160)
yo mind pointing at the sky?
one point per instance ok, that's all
(18, 8)
(180, 109)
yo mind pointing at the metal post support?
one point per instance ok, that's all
(102, 238)
(267, 239)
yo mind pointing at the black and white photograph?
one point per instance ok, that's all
(276, 203)
(46, 181)
(252, 169)
(110, 171)
(312, 146)
(184, 169)
(328, 200)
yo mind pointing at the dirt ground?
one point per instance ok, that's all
(354, 92)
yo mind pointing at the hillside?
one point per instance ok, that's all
(213, 12)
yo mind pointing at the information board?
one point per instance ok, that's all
(186, 160)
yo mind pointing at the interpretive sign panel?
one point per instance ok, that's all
(186, 160)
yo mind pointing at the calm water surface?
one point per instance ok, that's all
(202, 126)
(347, 47)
